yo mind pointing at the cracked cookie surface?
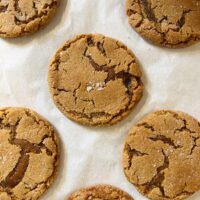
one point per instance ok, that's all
(100, 192)
(22, 17)
(166, 22)
(28, 154)
(162, 156)
(95, 80)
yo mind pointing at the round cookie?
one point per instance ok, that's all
(95, 80)
(162, 156)
(22, 17)
(166, 22)
(100, 192)
(29, 153)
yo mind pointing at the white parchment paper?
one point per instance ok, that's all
(93, 155)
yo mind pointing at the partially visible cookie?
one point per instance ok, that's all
(162, 156)
(29, 152)
(100, 192)
(95, 80)
(22, 17)
(166, 22)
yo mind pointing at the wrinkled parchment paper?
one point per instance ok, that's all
(93, 155)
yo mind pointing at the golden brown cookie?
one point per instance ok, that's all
(22, 17)
(100, 192)
(28, 154)
(162, 156)
(95, 80)
(166, 22)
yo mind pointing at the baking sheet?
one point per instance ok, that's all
(93, 155)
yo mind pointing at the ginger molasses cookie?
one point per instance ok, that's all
(166, 22)
(22, 17)
(28, 154)
(162, 156)
(100, 192)
(95, 80)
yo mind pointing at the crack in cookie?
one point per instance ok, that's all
(161, 155)
(158, 179)
(34, 142)
(148, 10)
(95, 80)
(165, 140)
(166, 22)
(3, 8)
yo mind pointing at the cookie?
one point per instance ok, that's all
(162, 156)
(95, 80)
(22, 17)
(100, 192)
(28, 154)
(166, 22)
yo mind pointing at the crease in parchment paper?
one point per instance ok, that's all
(90, 155)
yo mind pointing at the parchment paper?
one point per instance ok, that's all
(93, 155)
